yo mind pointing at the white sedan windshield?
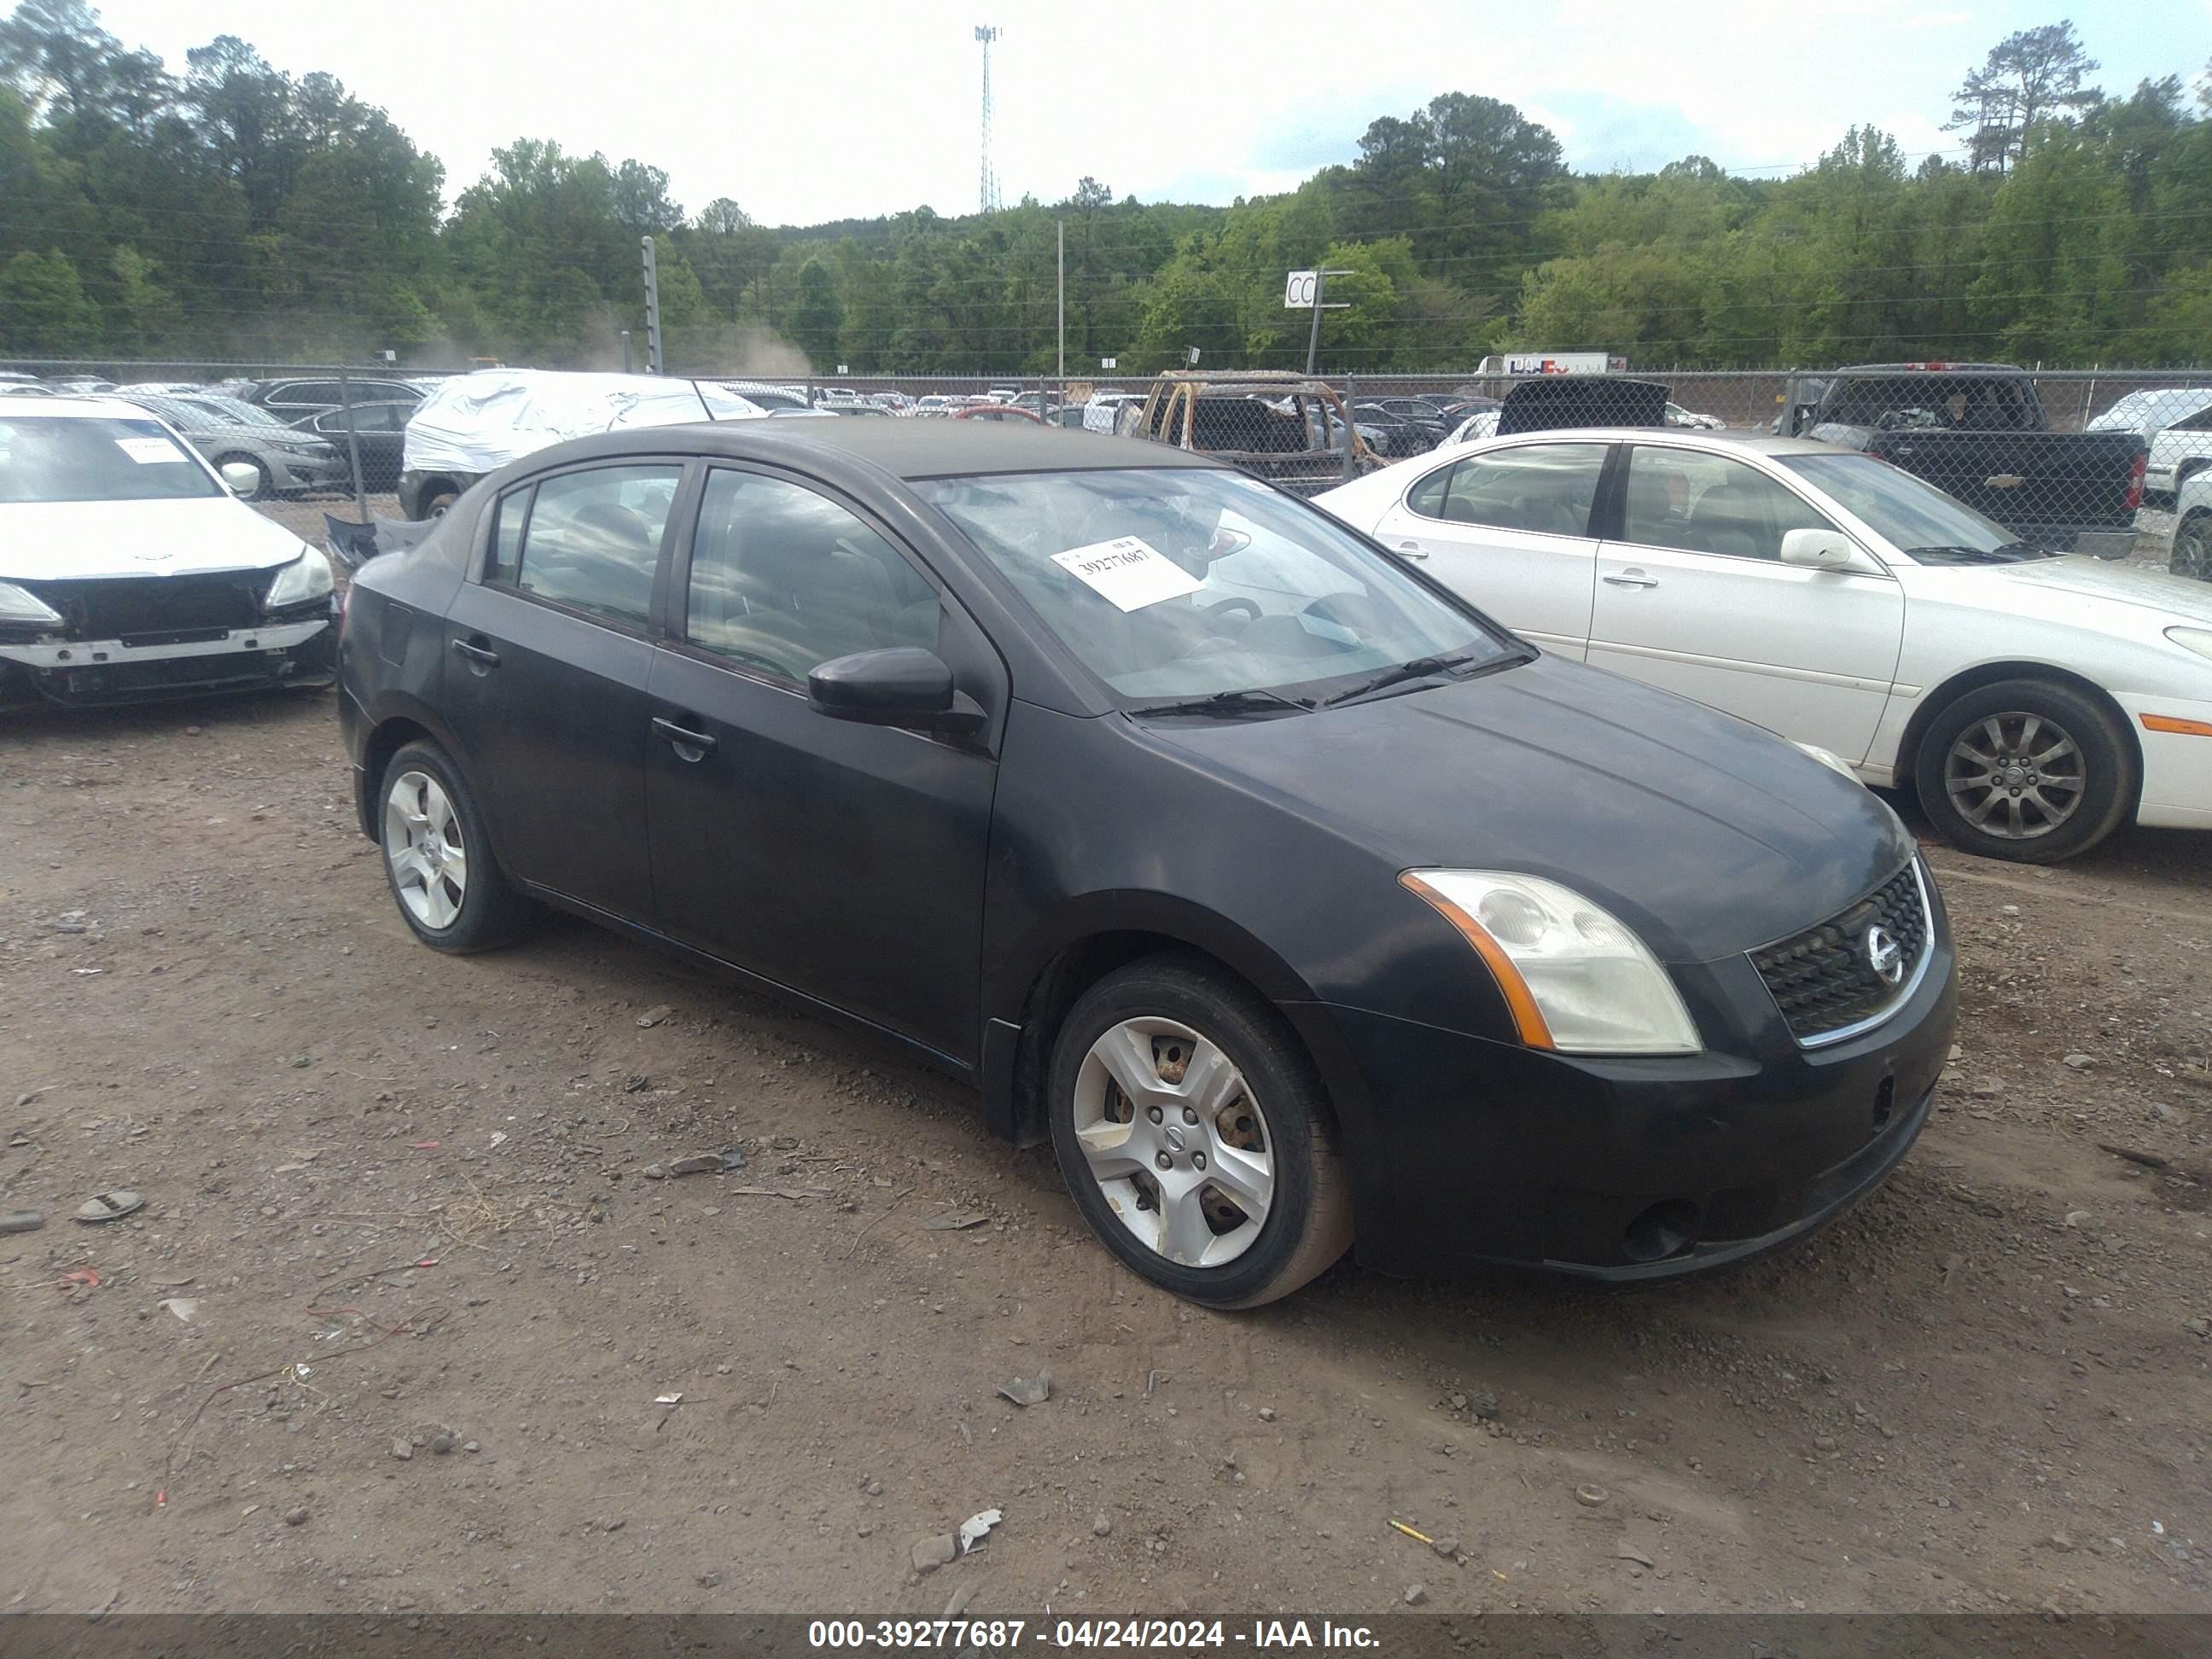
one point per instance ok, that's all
(1187, 583)
(80, 458)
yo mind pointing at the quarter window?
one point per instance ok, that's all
(1703, 503)
(1548, 488)
(785, 579)
(595, 538)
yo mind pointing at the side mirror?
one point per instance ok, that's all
(903, 686)
(239, 478)
(1819, 549)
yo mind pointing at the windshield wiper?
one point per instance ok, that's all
(2005, 553)
(1419, 668)
(1226, 702)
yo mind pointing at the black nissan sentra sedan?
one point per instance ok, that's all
(1298, 904)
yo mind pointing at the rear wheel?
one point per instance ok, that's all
(1194, 1137)
(437, 857)
(2027, 770)
(2192, 547)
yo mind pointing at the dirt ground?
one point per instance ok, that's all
(396, 1325)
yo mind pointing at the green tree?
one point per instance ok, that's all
(44, 312)
(819, 316)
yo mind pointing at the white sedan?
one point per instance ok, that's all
(129, 570)
(2034, 701)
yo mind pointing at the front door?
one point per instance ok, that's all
(1694, 596)
(842, 861)
(1509, 531)
(547, 660)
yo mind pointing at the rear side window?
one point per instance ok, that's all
(1549, 488)
(506, 557)
(1427, 497)
(593, 539)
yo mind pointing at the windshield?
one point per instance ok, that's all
(1916, 517)
(77, 458)
(1173, 584)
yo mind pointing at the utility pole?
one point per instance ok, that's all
(652, 360)
(1060, 235)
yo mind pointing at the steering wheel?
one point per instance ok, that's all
(1220, 609)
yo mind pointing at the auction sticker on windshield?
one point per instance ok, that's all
(1128, 571)
(145, 451)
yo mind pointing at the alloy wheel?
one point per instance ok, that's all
(2016, 776)
(2192, 548)
(1175, 1141)
(427, 852)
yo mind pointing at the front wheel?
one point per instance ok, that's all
(437, 859)
(2192, 547)
(1194, 1138)
(2027, 770)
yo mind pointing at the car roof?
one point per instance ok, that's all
(1682, 437)
(902, 449)
(99, 406)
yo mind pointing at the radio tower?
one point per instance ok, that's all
(987, 34)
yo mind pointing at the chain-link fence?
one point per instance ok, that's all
(2118, 462)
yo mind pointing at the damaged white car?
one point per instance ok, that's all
(130, 571)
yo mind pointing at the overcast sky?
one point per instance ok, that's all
(807, 112)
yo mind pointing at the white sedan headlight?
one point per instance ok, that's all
(307, 577)
(2199, 639)
(19, 605)
(1827, 757)
(1576, 979)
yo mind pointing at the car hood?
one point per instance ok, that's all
(1705, 834)
(69, 541)
(2074, 587)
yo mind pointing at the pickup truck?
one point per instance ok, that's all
(1978, 432)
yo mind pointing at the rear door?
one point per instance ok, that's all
(842, 860)
(1508, 530)
(544, 685)
(1692, 596)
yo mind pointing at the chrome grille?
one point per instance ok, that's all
(1824, 979)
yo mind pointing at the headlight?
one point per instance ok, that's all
(1576, 979)
(20, 605)
(1827, 757)
(307, 577)
(2199, 639)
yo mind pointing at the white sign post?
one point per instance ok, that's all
(1304, 289)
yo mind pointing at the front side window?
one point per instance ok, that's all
(307, 394)
(1172, 583)
(74, 459)
(1703, 503)
(1548, 488)
(785, 579)
(1913, 516)
(593, 539)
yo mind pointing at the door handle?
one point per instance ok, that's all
(1632, 578)
(684, 738)
(482, 655)
(1411, 551)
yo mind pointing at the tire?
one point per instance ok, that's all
(438, 500)
(2192, 547)
(2089, 772)
(481, 910)
(264, 487)
(1267, 1116)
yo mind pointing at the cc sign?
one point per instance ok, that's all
(1299, 292)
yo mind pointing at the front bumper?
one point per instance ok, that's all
(94, 673)
(307, 471)
(1481, 1152)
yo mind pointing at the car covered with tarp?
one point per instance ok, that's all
(473, 424)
